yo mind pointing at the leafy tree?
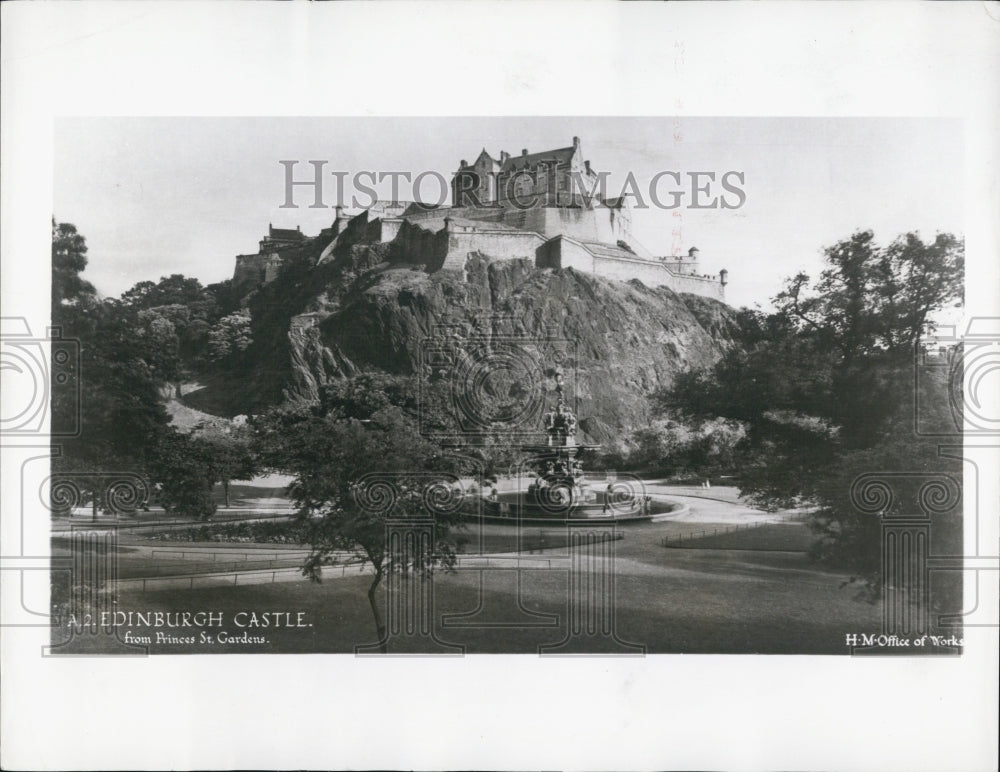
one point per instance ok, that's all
(120, 412)
(69, 259)
(870, 299)
(330, 449)
(126, 352)
(229, 337)
(175, 289)
(431, 404)
(365, 394)
(157, 338)
(230, 454)
(825, 384)
(191, 310)
(222, 293)
(111, 392)
(184, 476)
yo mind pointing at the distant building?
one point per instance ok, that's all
(263, 267)
(558, 177)
(279, 238)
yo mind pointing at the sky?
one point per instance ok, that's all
(155, 196)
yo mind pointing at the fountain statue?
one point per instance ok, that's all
(559, 485)
(559, 489)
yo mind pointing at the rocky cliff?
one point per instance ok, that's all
(361, 311)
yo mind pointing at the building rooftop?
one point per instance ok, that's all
(284, 234)
(519, 162)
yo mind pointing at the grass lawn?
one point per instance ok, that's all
(690, 601)
(743, 591)
(793, 537)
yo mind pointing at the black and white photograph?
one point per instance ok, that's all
(507, 405)
(561, 393)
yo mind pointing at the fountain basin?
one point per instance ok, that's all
(522, 505)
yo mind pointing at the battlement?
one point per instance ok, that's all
(561, 228)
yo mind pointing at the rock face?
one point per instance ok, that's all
(364, 312)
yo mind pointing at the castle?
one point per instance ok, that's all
(536, 206)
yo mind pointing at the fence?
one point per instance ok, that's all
(668, 541)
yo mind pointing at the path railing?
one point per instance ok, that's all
(669, 541)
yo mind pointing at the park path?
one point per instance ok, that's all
(704, 510)
(196, 564)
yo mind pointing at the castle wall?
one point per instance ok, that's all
(383, 229)
(656, 275)
(421, 245)
(501, 245)
(565, 253)
(390, 228)
(683, 265)
(602, 224)
(383, 208)
(449, 246)
(252, 270)
(553, 237)
(562, 252)
(698, 285)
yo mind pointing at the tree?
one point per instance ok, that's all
(825, 384)
(184, 476)
(191, 310)
(69, 259)
(156, 335)
(126, 351)
(229, 337)
(111, 392)
(659, 446)
(872, 299)
(175, 289)
(230, 454)
(334, 450)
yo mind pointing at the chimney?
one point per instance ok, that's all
(524, 151)
(724, 277)
(504, 155)
(463, 163)
(576, 143)
(693, 253)
(586, 164)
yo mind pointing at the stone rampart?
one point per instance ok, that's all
(566, 252)
(498, 244)
(253, 270)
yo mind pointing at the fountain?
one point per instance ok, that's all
(559, 489)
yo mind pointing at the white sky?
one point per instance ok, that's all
(155, 196)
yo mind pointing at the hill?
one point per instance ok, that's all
(363, 311)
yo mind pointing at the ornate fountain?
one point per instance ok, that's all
(552, 484)
(559, 486)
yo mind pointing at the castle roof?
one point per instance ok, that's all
(608, 250)
(531, 160)
(284, 234)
